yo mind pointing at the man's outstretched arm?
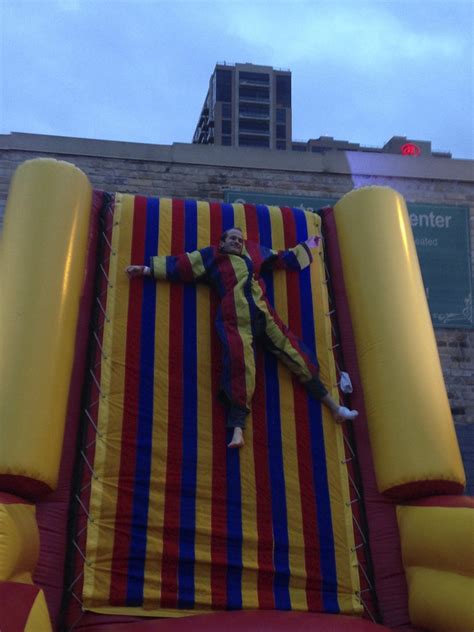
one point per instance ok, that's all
(187, 267)
(297, 258)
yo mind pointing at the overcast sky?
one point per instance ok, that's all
(138, 70)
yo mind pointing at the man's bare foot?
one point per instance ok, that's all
(344, 414)
(237, 439)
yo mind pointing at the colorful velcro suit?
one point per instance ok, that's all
(244, 312)
(180, 524)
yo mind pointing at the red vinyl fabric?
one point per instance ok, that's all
(246, 622)
(52, 510)
(383, 536)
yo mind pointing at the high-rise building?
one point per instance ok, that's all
(246, 106)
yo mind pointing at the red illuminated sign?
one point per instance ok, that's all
(410, 149)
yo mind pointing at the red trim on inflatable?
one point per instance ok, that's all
(52, 512)
(10, 499)
(420, 489)
(383, 536)
(247, 621)
(16, 601)
(24, 486)
(444, 501)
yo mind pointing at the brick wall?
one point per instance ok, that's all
(207, 172)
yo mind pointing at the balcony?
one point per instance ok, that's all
(255, 114)
(253, 133)
(254, 83)
(253, 99)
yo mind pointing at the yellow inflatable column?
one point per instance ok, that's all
(411, 431)
(41, 275)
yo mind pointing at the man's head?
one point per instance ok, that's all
(232, 241)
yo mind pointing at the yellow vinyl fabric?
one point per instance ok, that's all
(438, 556)
(38, 619)
(410, 425)
(41, 274)
(19, 542)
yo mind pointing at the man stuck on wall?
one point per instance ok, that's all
(245, 316)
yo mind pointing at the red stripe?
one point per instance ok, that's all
(303, 440)
(252, 223)
(169, 568)
(123, 516)
(219, 465)
(266, 569)
(309, 515)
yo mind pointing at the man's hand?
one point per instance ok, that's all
(313, 241)
(137, 271)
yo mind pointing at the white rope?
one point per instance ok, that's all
(103, 310)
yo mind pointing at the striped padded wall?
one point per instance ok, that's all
(181, 524)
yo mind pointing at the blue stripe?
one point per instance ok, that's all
(227, 217)
(234, 496)
(187, 528)
(320, 478)
(136, 568)
(281, 562)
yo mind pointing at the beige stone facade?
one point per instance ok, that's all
(207, 172)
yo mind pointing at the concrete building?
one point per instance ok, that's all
(246, 106)
(400, 145)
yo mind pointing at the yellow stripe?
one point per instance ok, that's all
(202, 582)
(152, 586)
(346, 562)
(296, 556)
(103, 501)
(248, 490)
(239, 218)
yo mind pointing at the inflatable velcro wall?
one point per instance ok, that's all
(178, 522)
(412, 434)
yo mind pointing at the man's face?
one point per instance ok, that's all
(233, 243)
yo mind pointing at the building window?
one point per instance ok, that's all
(318, 150)
(254, 77)
(281, 131)
(226, 110)
(226, 127)
(250, 141)
(283, 90)
(249, 125)
(248, 93)
(224, 85)
(256, 110)
(281, 144)
(281, 115)
(226, 140)
(298, 147)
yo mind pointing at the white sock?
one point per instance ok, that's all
(346, 413)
